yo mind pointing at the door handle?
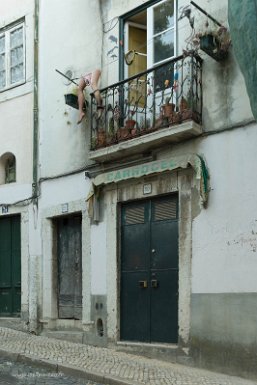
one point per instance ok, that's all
(154, 283)
(142, 284)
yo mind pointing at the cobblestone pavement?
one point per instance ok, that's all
(17, 373)
(106, 365)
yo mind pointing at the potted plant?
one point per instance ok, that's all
(215, 42)
(186, 106)
(130, 123)
(123, 133)
(101, 138)
(167, 109)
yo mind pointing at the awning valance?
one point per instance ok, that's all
(178, 162)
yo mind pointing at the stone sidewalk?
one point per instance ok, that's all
(103, 365)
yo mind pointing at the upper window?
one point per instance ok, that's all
(12, 61)
(150, 32)
(161, 31)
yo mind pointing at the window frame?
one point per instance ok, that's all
(151, 35)
(124, 18)
(6, 32)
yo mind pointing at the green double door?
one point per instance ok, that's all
(149, 270)
(10, 266)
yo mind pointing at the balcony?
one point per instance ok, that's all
(153, 108)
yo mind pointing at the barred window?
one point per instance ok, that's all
(12, 61)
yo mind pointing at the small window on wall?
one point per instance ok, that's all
(7, 168)
(12, 56)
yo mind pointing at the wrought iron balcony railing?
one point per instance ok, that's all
(163, 96)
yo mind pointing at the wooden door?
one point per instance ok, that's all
(69, 267)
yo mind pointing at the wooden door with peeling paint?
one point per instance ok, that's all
(69, 267)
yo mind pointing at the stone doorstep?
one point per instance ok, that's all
(13, 323)
(164, 352)
(68, 370)
(67, 335)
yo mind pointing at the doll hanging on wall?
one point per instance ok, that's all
(90, 79)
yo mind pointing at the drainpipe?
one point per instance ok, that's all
(33, 259)
(35, 108)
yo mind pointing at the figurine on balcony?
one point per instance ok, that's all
(90, 79)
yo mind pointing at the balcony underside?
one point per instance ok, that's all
(145, 143)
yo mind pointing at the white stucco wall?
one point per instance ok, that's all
(98, 259)
(70, 39)
(16, 128)
(63, 190)
(225, 234)
(16, 104)
(16, 132)
(10, 12)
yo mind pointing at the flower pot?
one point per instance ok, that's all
(210, 45)
(167, 109)
(111, 139)
(101, 139)
(123, 133)
(130, 123)
(133, 132)
(186, 114)
(183, 104)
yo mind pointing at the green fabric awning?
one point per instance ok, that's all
(162, 165)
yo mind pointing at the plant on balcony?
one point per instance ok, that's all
(167, 109)
(186, 107)
(123, 133)
(101, 138)
(214, 42)
(130, 122)
(111, 137)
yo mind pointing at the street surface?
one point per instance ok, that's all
(13, 373)
(102, 365)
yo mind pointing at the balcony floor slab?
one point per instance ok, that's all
(147, 142)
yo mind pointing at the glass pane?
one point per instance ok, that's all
(17, 73)
(13, 75)
(16, 56)
(16, 37)
(162, 75)
(2, 62)
(2, 44)
(164, 46)
(163, 16)
(2, 79)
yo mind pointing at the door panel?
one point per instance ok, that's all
(164, 245)
(69, 267)
(10, 266)
(149, 270)
(134, 270)
(164, 306)
(135, 325)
